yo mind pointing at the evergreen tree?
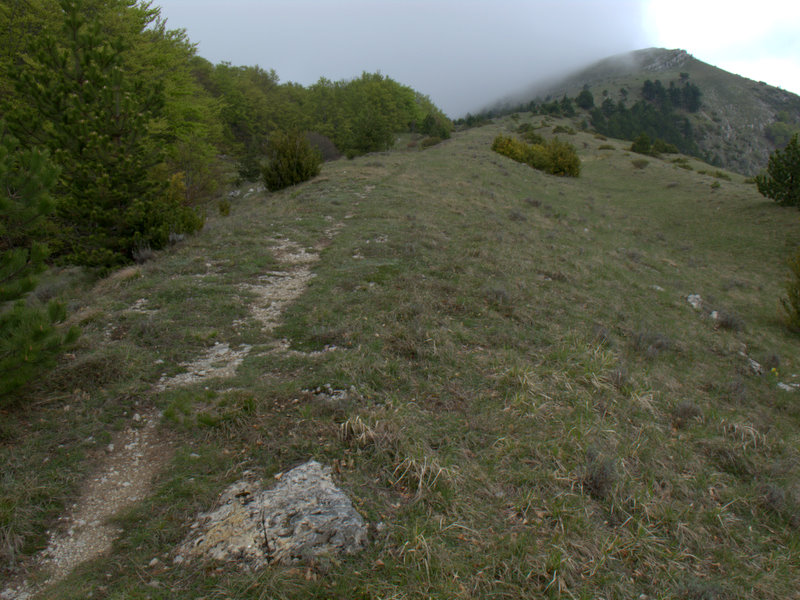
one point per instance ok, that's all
(641, 144)
(781, 182)
(94, 117)
(585, 100)
(29, 338)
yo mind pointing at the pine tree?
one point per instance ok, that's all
(29, 337)
(94, 116)
(781, 182)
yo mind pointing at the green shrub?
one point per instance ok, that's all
(429, 141)
(324, 144)
(640, 163)
(791, 303)
(662, 147)
(436, 125)
(641, 145)
(292, 160)
(564, 159)
(605, 147)
(554, 156)
(683, 163)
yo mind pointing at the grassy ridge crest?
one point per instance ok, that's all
(534, 407)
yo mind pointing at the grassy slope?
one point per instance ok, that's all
(539, 410)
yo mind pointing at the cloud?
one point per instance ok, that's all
(755, 39)
(463, 54)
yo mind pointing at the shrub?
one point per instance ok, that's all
(640, 163)
(791, 304)
(324, 144)
(605, 147)
(436, 125)
(662, 147)
(292, 160)
(564, 158)
(429, 141)
(641, 144)
(554, 157)
(781, 182)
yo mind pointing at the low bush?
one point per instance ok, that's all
(662, 147)
(430, 141)
(642, 145)
(324, 144)
(292, 160)
(554, 156)
(640, 163)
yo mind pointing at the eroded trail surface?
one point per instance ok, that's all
(138, 454)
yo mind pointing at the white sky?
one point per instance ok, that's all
(465, 54)
(757, 39)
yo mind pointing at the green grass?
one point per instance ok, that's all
(539, 411)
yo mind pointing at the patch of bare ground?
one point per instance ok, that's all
(219, 361)
(135, 456)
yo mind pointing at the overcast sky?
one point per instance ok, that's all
(465, 54)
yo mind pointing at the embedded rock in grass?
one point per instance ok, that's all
(303, 516)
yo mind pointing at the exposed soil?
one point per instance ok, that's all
(135, 456)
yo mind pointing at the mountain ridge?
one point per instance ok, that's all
(739, 124)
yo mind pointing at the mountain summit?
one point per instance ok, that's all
(739, 123)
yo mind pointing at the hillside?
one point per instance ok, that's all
(502, 368)
(739, 124)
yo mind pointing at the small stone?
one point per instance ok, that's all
(194, 455)
(695, 300)
(153, 562)
(137, 417)
(178, 560)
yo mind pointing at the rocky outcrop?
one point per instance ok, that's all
(302, 516)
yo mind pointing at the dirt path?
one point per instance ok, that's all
(123, 478)
(139, 453)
